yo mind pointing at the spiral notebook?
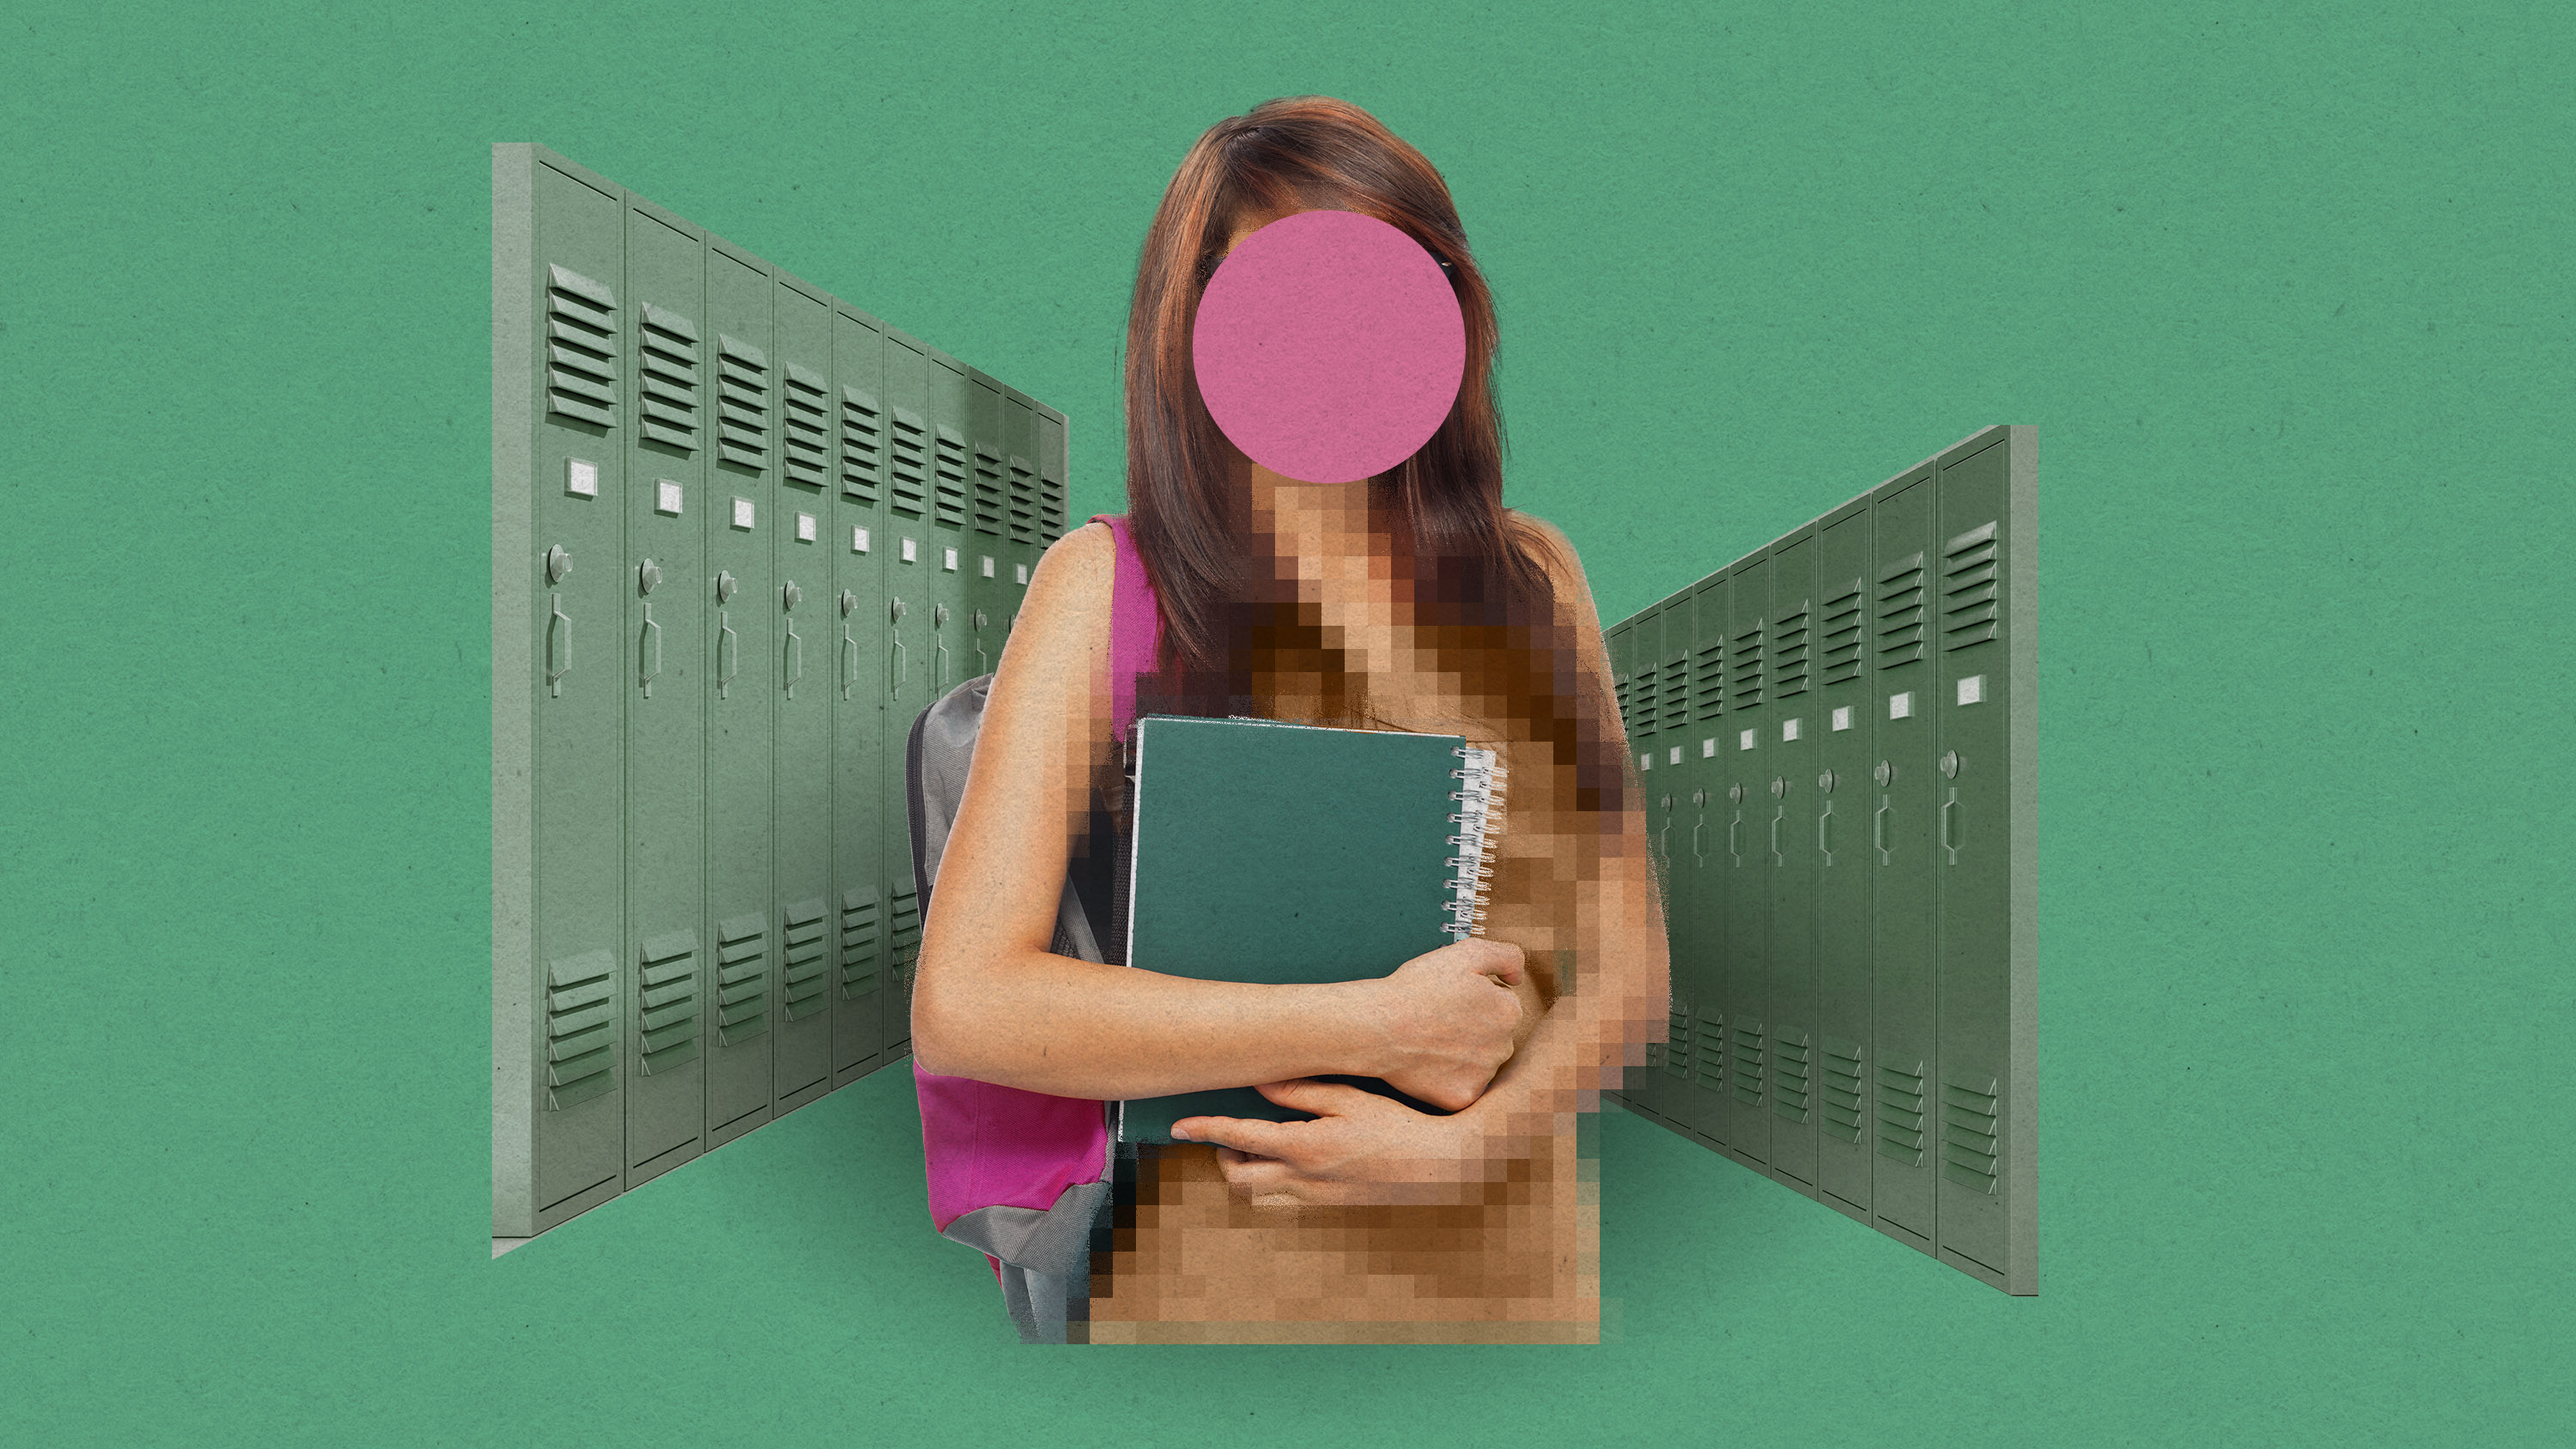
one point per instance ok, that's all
(1293, 854)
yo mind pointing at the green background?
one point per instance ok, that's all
(2287, 300)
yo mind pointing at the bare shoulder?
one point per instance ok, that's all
(1069, 590)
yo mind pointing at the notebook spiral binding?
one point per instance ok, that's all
(1480, 816)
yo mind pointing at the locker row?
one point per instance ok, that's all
(743, 533)
(1834, 738)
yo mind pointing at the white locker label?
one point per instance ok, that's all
(581, 477)
(666, 496)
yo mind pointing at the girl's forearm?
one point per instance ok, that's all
(1073, 1028)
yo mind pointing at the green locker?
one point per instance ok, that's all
(859, 697)
(729, 486)
(1654, 695)
(560, 982)
(1700, 957)
(801, 700)
(1636, 1083)
(1900, 844)
(659, 655)
(1788, 865)
(1052, 462)
(742, 648)
(1743, 894)
(1982, 824)
(1859, 934)
(1020, 433)
(986, 552)
(1841, 839)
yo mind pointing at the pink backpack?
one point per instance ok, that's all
(1022, 1176)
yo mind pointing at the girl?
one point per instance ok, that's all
(1409, 601)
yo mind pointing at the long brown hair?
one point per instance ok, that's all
(1482, 602)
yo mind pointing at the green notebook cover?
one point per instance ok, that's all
(1290, 854)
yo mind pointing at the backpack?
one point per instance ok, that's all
(1021, 1176)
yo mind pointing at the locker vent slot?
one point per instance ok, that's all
(1640, 709)
(1711, 1061)
(1050, 506)
(906, 942)
(1708, 679)
(1790, 1073)
(1900, 1114)
(742, 979)
(1789, 653)
(1968, 588)
(581, 1027)
(742, 403)
(1677, 1041)
(862, 445)
(581, 348)
(1623, 688)
(1842, 635)
(988, 491)
(802, 961)
(858, 942)
(1024, 501)
(808, 430)
(1841, 1093)
(666, 1000)
(910, 465)
(1747, 1052)
(667, 379)
(1968, 1132)
(1900, 613)
(1672, 705)
(950, 502)
(1746, 666)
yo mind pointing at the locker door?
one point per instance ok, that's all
(1900, 852)
(800, 684)
(859, 695)
(1053, 460)
(740, 589)
(560, 969)
(1841, 840)
(1972, 701)
(986, 556)
(1020, 433)
(658, 658)
(1744, 899)
(911, 563)
(1788, 855)
(1703, 963)
(1679, 841)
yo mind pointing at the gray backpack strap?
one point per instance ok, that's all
(936, 757)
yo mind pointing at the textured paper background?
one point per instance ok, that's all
(2287, 300)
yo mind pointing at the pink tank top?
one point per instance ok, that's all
(985, 1145)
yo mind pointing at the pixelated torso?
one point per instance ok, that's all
(1514, 1260)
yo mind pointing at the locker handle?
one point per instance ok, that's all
(1698, 859)
(1822, 848)
(983, 661)
(849, 660)
(728, 646)
(652, 642)
(943, 666)
(1776, 857)
(1946, 843)
(795, 652)
(899, 660)
(555, 671)
(1878, 831)
(1732, 849)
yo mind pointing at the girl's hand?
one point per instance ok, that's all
(1448, 1019)
(1360, 1149)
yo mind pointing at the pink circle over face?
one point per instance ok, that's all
(1329, 346)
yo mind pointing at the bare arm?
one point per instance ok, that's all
(1616, 1002)
(992, 1003)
